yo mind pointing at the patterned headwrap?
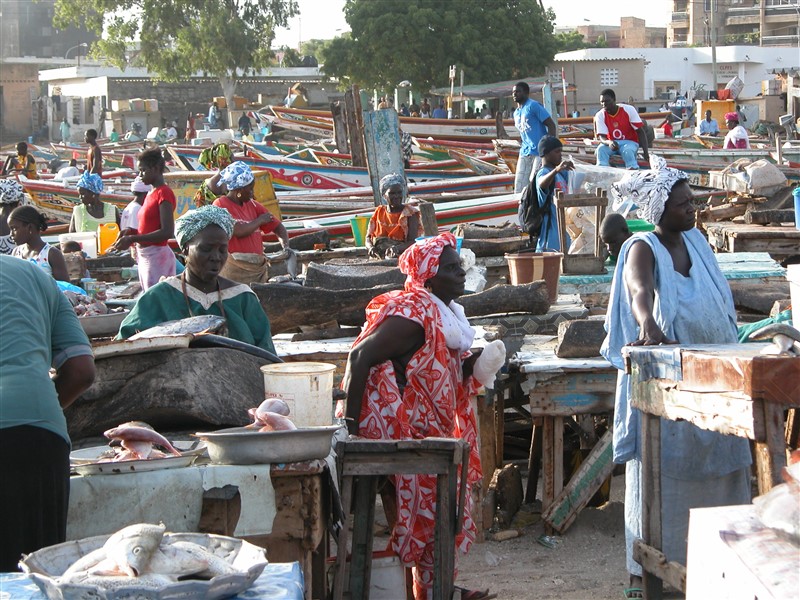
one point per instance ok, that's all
(420, 261)
(140, 187)
(732, 116)
(649, 190)
(194, 221)
(391, 179)
(90, 181)
(10, 191)
(236, 175)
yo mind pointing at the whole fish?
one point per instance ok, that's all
(179, 558)
(86, 562)
(190, 325)
(132, 547)
(273, 405)
(149, 582)
(129, 433)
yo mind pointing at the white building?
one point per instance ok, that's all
(647, 77)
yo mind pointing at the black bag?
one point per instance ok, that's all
(531, 215)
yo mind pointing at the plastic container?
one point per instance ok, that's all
(307, 387)
(636, 225)
(359, 227)
(107, 234)
(87, 240)
(527, 267)
(796, 194)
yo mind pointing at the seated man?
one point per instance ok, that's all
(620, 130)
(708, 126)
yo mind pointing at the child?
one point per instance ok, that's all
(553, 175)
(76, 260)
(613, 233)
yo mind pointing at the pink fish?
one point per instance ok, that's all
(275, 422)
(128, 433)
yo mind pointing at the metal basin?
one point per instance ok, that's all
(241, 446)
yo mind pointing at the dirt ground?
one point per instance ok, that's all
(588, 562)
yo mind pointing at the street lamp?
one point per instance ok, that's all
(81, 45)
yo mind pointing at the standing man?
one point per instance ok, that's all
(620, 130)
(94, 157)
(213, 116)
(425, 109)
(708, 126)
(64, 129)
(441, 112)
(533, 122)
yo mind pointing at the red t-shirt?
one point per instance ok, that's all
(149, 215)
(621, 126)
(249, 211)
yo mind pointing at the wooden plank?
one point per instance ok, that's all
(582, 486)
(793, 428)
(571, 393)
(766, 217)
(382, 144)
(444, 537)
(651, 498)
(343, 538)
(558, 455)
(770, 452)
(729, 413)
(656, 562)
(534, 464)
(548, 459)
(427, 214)
(355, 126)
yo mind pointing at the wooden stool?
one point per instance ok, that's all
(581, 264)
(361, 463)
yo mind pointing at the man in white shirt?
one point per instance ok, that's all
(68, 171)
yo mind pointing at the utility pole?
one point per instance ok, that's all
(714, 44)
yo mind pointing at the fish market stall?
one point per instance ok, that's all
(731, 389)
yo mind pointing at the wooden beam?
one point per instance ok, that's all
(340, 127)
(770, 450)
(427, 214)
(582, 486)
(656, 562)
(766, 217)
(650, 479)
(355, 126)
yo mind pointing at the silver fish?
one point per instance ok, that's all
(191, 325)
(132, 547)
(180, 558)
(86, 562)
(132, 435)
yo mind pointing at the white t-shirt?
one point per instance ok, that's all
(66, 172)
(129, 219)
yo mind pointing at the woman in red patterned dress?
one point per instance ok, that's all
(410, 376)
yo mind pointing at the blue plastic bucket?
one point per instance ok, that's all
(796, 194)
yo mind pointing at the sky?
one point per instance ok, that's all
(324, 19)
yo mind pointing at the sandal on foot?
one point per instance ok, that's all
(633, 593)
(475, 594)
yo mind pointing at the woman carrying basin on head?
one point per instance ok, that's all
(203, 235)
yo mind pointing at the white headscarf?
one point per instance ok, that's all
(650, 189)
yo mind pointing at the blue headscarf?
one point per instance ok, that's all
(90, 181)
(236, 175)
(194, 221)
(391, 179)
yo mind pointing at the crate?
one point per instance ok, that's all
(151, 105)
(136, 105)
(120, 105)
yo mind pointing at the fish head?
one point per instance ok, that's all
(132, 547)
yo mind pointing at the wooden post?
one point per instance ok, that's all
(355, 126)
(340, 127)
(770, 453)
(427, 214)
(650, 478)
(366, 488)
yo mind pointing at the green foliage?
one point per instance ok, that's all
(291, 57)
(566, 42)
(222, 38)
(417, 40)
(316, 48)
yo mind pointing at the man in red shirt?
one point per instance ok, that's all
(620, 130)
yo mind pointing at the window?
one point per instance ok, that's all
(609, 77)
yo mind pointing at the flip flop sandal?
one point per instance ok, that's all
(475, 594)
(633, 593)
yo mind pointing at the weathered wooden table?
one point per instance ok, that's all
(732, 389)
(779, 240)
(559, 388)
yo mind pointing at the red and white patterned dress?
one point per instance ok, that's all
(435, 403)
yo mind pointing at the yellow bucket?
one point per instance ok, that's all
(359, 227)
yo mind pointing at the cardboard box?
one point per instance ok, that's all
(120, 105)
(221, 102)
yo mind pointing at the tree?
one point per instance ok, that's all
(315, 48)
(417, 40)
(573, 40)
(177, 38)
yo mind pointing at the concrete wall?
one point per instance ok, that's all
(586, 76)
(20, 84)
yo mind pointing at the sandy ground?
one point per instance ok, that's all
(588, 562)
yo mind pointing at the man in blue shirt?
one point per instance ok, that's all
(533, 122)
(440, 112)
(708, 126)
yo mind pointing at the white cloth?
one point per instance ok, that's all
(66, 173)
(457, 331)
(649, 189)
(489, 362)
(737, 133)
(129, 219)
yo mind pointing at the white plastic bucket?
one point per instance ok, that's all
(87, 240)
(307, 387)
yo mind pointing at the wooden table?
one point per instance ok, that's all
(559, 388)
(732, 389)
(779, 240)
